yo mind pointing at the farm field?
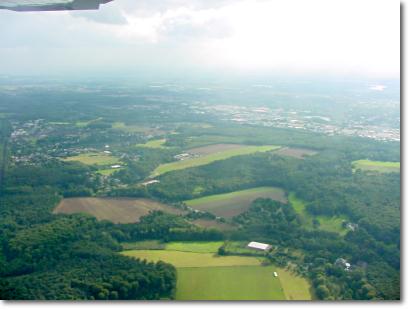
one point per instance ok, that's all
(331, 224)
(229, 283)
(198, 247)
(298, 153)
(234, 203)
(94, 159)
(204, 276)
(155, 144)
(116, 210)
(378, 166)
(192, 259)
(207, 159)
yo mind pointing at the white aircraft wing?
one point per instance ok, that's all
(51, 5)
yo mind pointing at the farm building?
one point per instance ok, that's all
(259, 246)
(115, 166)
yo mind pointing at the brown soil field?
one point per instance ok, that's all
(214, 148)
(295, 152)
(116, 210)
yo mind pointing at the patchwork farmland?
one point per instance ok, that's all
(116, 210)
(231, 204)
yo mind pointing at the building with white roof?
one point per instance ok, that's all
(259, 246)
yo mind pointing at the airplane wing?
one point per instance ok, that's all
(51, 5)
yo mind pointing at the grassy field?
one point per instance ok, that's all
(116, 210)
(378, 166)
(234, 203)
(295, 152)
(108, 171)
(332, 224)
(95, 159)
(204, 276)
(229, 283)
(192, 259)
(206, 159)
(198, 247)
(155, 144)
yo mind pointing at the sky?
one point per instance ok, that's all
(314, 37)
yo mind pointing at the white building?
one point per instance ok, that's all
(259, 246)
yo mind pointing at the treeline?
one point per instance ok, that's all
(373, 275)
(46, 256)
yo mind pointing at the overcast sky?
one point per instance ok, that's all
(346, 37)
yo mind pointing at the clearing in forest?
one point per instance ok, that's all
(378, 166)
(327, 223)
(231, 204)
(116, 210)
(206, 155)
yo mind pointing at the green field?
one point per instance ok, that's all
(332, 224)
(207, 159)
(234, 203)
(95, 159)
(229, 283)
(155, 144)
(192, 259)
(378, 166)
(198, 247)
(108, 171)
(204, 276)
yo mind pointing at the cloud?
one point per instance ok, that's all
(273, 36)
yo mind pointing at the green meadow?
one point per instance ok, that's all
(331, 224)
(203, 275)
(378, 166)
(207, 159)
(229, 283)
(94, 159)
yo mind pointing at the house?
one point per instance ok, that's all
(115, 166)
(259, 246)
(341, 262)
(275, 274)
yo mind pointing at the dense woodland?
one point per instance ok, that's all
(49, 256)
